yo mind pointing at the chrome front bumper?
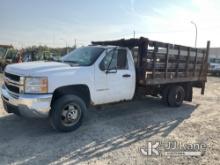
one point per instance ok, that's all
(27, 105)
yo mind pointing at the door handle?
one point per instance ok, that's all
(126, 75)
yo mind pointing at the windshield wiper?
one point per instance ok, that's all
(73, 62)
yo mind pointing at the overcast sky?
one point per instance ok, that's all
(57, 23)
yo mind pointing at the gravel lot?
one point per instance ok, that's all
(114, 135)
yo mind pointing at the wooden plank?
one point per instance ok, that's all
(206, 68)
(167, 61)
(164, 45)
(135, 42)
(187, 62)
(154, 61)
(140, 56)
(206, 59)
(170, 75)
(195, 62)
(157, 81)
(173, 57)
(170, 66)
(143, 73)
(203, 61)
(178, 61)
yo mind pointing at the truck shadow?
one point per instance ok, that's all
(105, 130)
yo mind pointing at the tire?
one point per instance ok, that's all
(176, 96)
(164, 95)
(67, 113)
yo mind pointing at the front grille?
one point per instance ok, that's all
(12, 88)
(13, 83)
(12, 77)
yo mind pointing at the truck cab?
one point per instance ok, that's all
(91, 75)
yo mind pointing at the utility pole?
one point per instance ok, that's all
(196, 32)
(134, 33)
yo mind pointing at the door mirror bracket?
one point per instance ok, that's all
(113, 70)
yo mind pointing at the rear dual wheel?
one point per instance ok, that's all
(173, 95)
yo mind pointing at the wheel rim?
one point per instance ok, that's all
(178, 97)
(71, 114)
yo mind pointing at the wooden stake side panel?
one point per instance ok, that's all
(160, 63)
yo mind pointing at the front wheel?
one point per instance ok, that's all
(67, 113)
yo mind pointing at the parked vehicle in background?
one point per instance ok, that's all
(11, 55)
(5, 56)
(34, 55)
(214, 66)
(103, 73)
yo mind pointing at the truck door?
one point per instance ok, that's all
(117, 75)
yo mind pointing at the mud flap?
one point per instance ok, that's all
(203, 88)
(188, 92)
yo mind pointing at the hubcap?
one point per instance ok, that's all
(70, 114)
(178, 96)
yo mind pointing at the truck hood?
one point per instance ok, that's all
(58, 74)
(35, 68)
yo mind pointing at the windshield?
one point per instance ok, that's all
(83, 56)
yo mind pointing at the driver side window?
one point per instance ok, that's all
(109, 61)
(115, 60)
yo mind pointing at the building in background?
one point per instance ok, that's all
(214, 53)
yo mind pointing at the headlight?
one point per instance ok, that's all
(36, 85)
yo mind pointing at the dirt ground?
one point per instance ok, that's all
(115, 134)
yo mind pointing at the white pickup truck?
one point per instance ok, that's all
(102, 73)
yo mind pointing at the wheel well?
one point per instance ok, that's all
(80, 90)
